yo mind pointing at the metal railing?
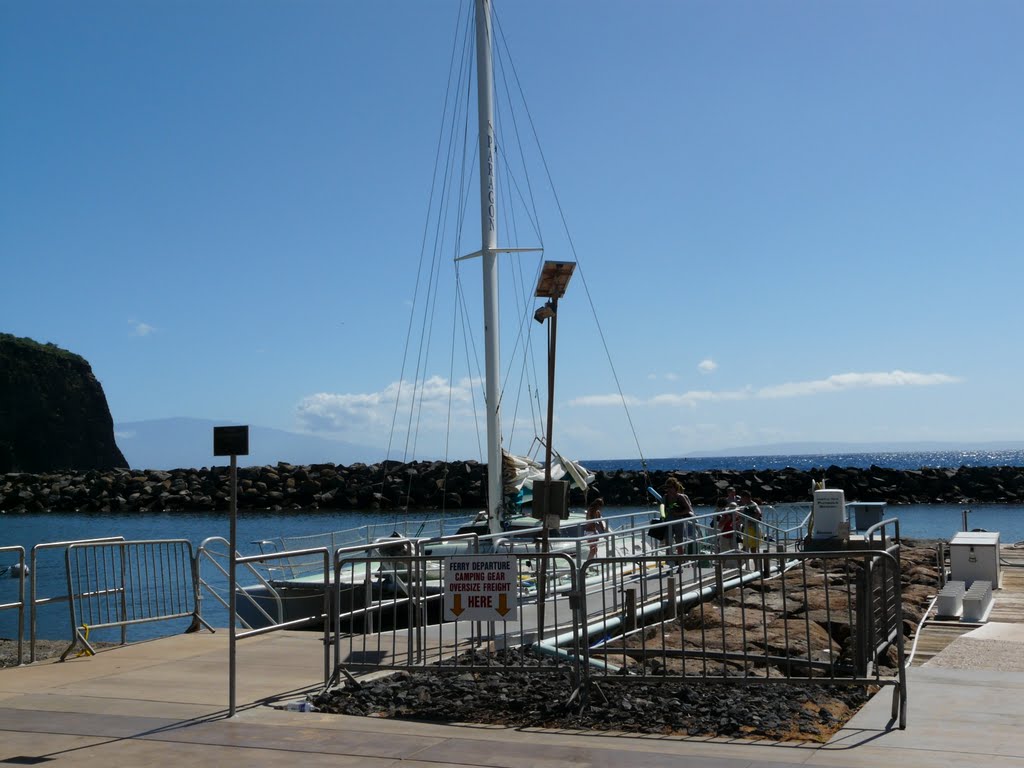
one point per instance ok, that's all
(805, 617)
(400, 602)
(35, 601)
(255, 606)
(122, 583)
(19, 604)
(745, 618)
(314, 615)
(640, 612)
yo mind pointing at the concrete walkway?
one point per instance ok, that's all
(163, 703)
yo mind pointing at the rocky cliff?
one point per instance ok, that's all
(53, 413)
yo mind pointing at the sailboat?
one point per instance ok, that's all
(510, 479)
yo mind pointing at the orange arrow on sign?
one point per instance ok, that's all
(503, 604)
(457, 607)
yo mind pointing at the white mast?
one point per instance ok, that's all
(488, 254)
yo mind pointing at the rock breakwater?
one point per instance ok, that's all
(454, 485)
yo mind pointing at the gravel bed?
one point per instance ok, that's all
(45, 649)
(513, 698)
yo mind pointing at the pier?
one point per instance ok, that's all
(162, 702)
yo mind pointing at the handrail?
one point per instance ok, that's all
(207, 552)
(869, 534)
(263, 558)
(20, 604)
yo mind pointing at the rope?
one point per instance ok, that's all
(85, 651)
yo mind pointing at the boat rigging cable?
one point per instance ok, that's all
(430, 291)
(449, 193)
(572, 247)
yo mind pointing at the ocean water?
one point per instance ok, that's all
(917, 521)
(891, 460)
(920, 521)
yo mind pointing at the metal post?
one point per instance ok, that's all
(629, 620)
(545, 540)
(670, 597)
(232, 585)
(233, 442)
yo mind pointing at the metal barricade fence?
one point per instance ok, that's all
(19, 604)
(741, 618)
(121, 583)
(391, 612)
(35, 601)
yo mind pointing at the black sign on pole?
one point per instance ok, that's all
(231, 441)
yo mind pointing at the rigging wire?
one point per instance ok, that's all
(423, 246)
(523, 337)
(452, 108)
(468, 161)
(430, 303)
(572, 248)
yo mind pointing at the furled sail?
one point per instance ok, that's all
(520, 472)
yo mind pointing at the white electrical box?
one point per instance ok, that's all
(974, 556)
(829, 513)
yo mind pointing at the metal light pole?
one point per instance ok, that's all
(233, 442)
(554, 279)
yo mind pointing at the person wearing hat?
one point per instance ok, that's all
(677, 509)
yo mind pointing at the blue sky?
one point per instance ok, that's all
(796, 221)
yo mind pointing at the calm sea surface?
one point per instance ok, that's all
(27, 530)
(912, 460)
(923, 521)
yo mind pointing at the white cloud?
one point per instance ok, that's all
(835, 383)
(141, 329)
(693, 397)
(671, 376)
(844, 381)
(603, 400)
(352, 412)
(707, 366)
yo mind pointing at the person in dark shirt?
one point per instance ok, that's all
(677, 510)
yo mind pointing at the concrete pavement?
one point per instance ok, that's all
(164, 701)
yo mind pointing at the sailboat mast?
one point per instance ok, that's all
(489, 244)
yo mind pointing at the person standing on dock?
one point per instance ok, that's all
(595, 525)
(677, 510)
(750, 540)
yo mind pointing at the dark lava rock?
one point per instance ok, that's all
(508, 695)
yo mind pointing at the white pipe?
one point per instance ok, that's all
(550, 647)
